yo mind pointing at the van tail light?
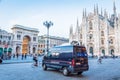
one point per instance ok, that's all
(73, 63)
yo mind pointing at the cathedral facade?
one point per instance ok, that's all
(98, 32)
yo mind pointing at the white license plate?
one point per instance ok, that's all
(77, 63)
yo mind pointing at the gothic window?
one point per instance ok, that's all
(111, 41)
(80, 36)
(102, 41)
(102, 33)
(90, 36)
(90, 24)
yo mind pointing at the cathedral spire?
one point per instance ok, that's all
(83, 13)
(71, 29)
(101, 12)
(94, 9)
(105, 14)
(97, 11)
(77, 23)
(114, 7)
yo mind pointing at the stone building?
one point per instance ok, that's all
(25, 40)
(53, 41)
(5, 44)
(99, 32)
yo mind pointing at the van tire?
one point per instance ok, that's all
(44, 67)
(65, 71)
(79, 73)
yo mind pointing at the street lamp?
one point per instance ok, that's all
(47, 24)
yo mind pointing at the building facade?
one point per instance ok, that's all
(25, 40)
(99, 32)
(5, 44)
(53, 41)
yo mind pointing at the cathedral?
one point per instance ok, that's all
(98, 32)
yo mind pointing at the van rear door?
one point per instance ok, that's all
(81, 57)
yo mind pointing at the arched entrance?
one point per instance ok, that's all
(103, 52)
(91, 50)
(26, 45)
(112, 51)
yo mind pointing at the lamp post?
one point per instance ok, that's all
(47, 24)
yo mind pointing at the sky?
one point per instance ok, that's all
(63, 13)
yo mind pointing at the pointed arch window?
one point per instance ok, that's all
(111, 41)
(90, 36)
(102, 42)
(90, 24)
(102, 33)
(81, 36)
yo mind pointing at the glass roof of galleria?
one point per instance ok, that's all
(26, 28)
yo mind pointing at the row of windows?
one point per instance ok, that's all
(110, 42)
(5, 37)
(19, 38)
(91, 35)
(41, 46)
(4, 42)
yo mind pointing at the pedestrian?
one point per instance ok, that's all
(13, 55)
(17, 55)
(35, 59)
(25, 55)
(99, 59)
(0, 60)
(22, 56)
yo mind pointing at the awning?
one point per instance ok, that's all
(1, 50)
(10, 50)
(5, 49)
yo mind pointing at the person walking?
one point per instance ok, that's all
(25, 55)
(22, 56)
(0, 60)
(35, 59)
(17, 55)
(99, 59)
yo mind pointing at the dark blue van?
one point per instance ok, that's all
(68, 58)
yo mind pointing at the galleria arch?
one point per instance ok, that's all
(25, 40)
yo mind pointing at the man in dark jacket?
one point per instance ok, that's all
(0, 60)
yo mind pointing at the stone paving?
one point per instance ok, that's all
(108, 70)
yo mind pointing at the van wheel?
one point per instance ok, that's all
(65, 71)
(79, 73)
(44, 67)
